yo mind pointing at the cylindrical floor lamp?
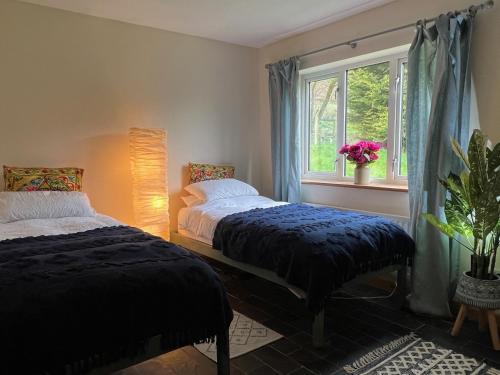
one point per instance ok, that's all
(148, 159)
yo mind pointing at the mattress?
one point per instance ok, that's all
(47, 227)
(199, 222)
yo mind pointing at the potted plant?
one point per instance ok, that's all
(472, 211)
(362, 154)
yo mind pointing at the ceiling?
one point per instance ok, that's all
(253, 23)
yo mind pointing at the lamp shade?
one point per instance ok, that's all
(148, 160)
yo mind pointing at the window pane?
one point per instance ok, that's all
(323, 125)
(367, 112)
(402, 170)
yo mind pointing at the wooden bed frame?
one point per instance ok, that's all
(318, 324)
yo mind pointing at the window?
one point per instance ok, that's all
(365, 100)
(401, 136)
(323, 123)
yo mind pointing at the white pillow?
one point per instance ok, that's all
(191, 200)
(26, 205)
(218, 189)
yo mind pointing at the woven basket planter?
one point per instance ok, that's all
(483, 294)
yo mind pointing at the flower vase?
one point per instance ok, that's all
(362, 174)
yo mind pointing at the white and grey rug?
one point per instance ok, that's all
(412, 355)
(245, 335)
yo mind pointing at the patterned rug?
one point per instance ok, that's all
(413, 355)
(245, 335)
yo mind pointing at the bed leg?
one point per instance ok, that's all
(223, 353)
(318, 329)
(402, 288)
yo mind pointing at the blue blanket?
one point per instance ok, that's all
(315, 249)
(89, 298)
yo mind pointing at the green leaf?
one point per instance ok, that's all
(476, 190)
(459, 193)
(443, 227)
(459, 151)
(464, 177)
(454, 184)
(495, 186)
(493, 160)
(457, 218)
(486, 214)
(478, 166)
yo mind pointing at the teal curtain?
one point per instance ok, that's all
(285, 132)
(439, 90)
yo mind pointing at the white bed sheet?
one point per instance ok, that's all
(199, 222)
(46, 227)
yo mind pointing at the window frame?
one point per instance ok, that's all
(340, 70)
(399, 120)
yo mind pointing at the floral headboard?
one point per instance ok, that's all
(201, 172)
(33, 179)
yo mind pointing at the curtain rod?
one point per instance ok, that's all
(353, 42)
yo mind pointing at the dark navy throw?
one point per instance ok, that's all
(89, 298)
(314, 248)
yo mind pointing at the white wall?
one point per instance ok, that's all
(71, 85)
(392, 203)
(485, 61)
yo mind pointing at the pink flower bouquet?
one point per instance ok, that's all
(363, 152)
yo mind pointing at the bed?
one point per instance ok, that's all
(310, 250)
(84, 292)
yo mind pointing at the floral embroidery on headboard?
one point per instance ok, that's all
(35, 179)
(201, 172)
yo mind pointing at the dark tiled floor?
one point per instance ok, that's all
(354, 327)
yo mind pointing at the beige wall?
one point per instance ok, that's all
(71, 86)
(486, 74)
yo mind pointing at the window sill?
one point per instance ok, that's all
(348, 184)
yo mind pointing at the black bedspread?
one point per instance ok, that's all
(316, 249)
(97, 296)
